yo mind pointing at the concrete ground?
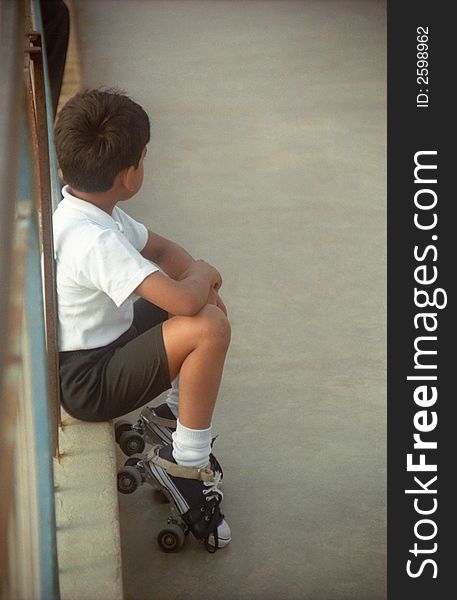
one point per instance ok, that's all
(267, 159)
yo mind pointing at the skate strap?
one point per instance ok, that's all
(203, 474)
(150, 415)
(163, 421)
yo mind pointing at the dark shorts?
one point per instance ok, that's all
(108, 382)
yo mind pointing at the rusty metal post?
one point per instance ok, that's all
(39, 128)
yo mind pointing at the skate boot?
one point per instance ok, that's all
(195, 495)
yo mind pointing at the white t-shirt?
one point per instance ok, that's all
(98, 264)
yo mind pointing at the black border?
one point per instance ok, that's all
(412, 129)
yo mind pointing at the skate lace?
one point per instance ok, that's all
(214, 496)
(211, 488)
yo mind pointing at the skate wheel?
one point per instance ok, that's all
(128, 480)
(131, 442)
(171, 538)
(120, 427)
(132, 461)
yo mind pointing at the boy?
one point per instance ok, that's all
(117, 354)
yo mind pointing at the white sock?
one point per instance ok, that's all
(172, 398)
(191, 447)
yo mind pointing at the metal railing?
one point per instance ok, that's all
(29, 407)
(40, 115)
(11, 24)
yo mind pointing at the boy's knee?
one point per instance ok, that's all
(215, 324)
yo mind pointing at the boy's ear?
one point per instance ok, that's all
(128, 178)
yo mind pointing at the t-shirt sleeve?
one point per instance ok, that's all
(112, 265)
(135, 232)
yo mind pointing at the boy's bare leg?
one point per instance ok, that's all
(196, 348)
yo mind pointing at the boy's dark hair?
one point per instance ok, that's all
(99, 133)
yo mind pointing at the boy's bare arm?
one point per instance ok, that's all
(175, 261)
(168, 255)
(186, 296)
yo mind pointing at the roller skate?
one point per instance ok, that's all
(154, 426)
(193, 494)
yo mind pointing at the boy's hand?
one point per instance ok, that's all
(215, 299)
(205, 268)
(214, 273)
(186, 295)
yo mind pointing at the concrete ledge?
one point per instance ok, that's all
(88, 537)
